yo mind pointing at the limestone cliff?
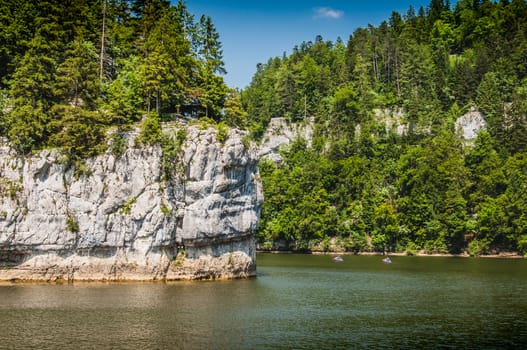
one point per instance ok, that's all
(280, 133)
(123, 219)
(470, 123)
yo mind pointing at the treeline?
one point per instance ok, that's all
(374, 188)
(70, 69)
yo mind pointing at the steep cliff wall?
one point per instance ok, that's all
(280, 133)
(125, 220)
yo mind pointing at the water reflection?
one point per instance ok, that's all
(301, 302)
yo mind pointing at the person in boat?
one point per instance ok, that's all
(338, 259)
(387, 260)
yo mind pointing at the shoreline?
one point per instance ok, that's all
(505, 255)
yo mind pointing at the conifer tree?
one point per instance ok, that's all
(77, 77)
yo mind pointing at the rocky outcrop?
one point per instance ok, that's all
(469, 124)
(280, 133)
(123, 218)
(393, 119)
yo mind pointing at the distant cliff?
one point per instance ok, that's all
(122, 218)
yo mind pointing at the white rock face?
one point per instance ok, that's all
(394, 120)
(469, 124)
(281, 133)
(124, 221)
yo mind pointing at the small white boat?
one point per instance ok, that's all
(387, 260)
(338, 259)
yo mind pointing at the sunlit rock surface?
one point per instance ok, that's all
(122, 219)
(469, 124)
(280, 133)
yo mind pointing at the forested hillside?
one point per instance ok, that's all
(71, 69)
(374, 188)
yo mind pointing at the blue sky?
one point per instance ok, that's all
(253, 31)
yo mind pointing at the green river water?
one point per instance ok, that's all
(296, 302)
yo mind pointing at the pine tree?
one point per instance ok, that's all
(16, 32)
(210, 50)
(234, 114)
(166, 65)
(78, 76)
(211, 87)
(34, 77)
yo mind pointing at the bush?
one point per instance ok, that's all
(355, 243)
(522, 244)
(181, 136)
(171, 147)
(118, 144)
(223, 133)
(150, 133)
(412, 249)
(436, 247)
(126, 209)
(25, 129)
(180, 259)
(71, 223)
(165, 210)
(477, 247)
(205, 122)
(79, 132)
(9, 188)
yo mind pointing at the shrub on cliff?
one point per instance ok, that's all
(79, 132)
(150, 130)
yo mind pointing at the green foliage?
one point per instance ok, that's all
(26, 127)
(32, 83)
(223, 133)
(124, 93)
(4, 104)
(477, 247)
(411, 249)
(180, 259)
(234, 114)
(118, 144)
(423, 189)
(212, 94)
(9, 188)
(165, 210)
(522, 244)
(172, 146)
(77, 76)
(72, 224)
(181, 136)
(356, 243)
(150, 132)
(126, 209)
(114, 58)
(80, 133)
(246, 141)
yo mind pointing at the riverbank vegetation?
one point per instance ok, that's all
(420, 188)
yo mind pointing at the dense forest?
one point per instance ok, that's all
(72, 70)
(367, 186)
(69, 70)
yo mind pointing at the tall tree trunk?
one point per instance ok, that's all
(101, 56)
(397, 81)
(158, 101)
(148, 98)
